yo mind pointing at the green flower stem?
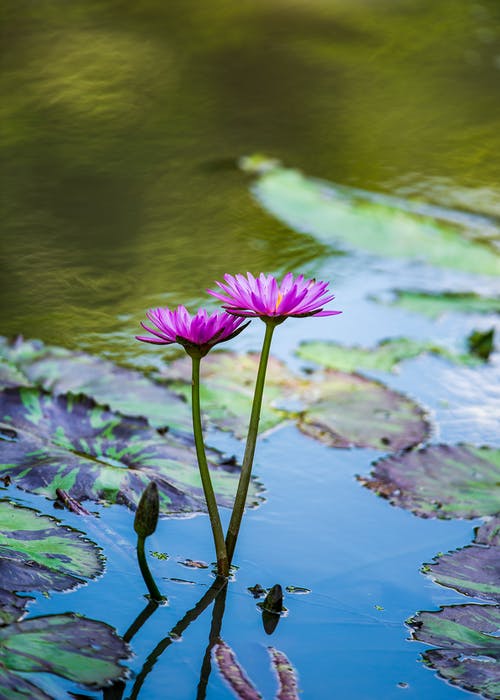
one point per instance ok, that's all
(213, 512)
(146, 573)
(253, 429)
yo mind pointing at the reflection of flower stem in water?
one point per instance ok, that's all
(217, 587)
(206, 667)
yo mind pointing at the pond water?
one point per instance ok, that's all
(124, 124)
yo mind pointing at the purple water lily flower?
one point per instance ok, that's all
(197, 334)
(264, 297)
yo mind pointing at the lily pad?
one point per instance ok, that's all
(339, 409)
(378, 224)
(435, 305)
(12, 606)
(469, 652)
(60, 371)
(227, 388)
(384, 357)
(77, 648)
(440, 481)
(347, 410)
(71, 443)
(37, 553)
(489, 533)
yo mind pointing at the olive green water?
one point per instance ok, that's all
(122, 123)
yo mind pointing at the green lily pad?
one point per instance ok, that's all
(347, 410)
(227, 388)
(469, 652)
(77, 648)
(60, 371)
(435, 305)
(71, 443)
(12, 606)
(381, 225)
(472, 570)
(384, 357)
(440, 481)
(342, 410)
(37, 553)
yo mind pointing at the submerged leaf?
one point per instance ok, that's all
(434, 305)
(384, 357)
(77, 648)
(469, 652)
(61, 371)
(37, 553)
(233, 673)
(71, 443)
(381, 225)
(440, 481)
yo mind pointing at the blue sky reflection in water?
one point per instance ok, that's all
(123, 124)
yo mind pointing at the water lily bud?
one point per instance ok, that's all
(146, 516)
(273, 601)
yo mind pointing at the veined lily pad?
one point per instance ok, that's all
(441, 481)
(61, 371)
(435, 305)
(37, 553)
(347, 410)
(77, 648)
(71, 443)
(378, 224)
(339, 409)
(227, 388)
(385, 357)
(469, 652)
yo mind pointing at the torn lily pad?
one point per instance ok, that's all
(469, 650)
(385, 356)
(77, 648)
(472, 570)
(39, 554)
(437, 304)
(60, 371)
(347, 410)
(12, 606)
(342, 410)
(71, 443)
(378, 224)
(440, 481)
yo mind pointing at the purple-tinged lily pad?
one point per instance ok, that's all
(473, 571)
(12, 606)
(287, 676)
(347, 410)
(37, 553)
(77, 648)
(469, 650)
(60, 371)
(71, 443)
(489, 532)
(233, 673)
(339, 409)
(440, 481)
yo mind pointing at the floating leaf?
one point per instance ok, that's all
(440, 481)
(71, 443)
(489, 533)
(378, 224)
(11, 376)
(347, 410)
(12, 606)
(469, 652)
(287, 676)
(233, 673)
(480, 343)
(339, 409)
(77, 648)
(435, 305)
(37, 553)
(61, 371)
(473, 571)
(384, 357)
(227, 388)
